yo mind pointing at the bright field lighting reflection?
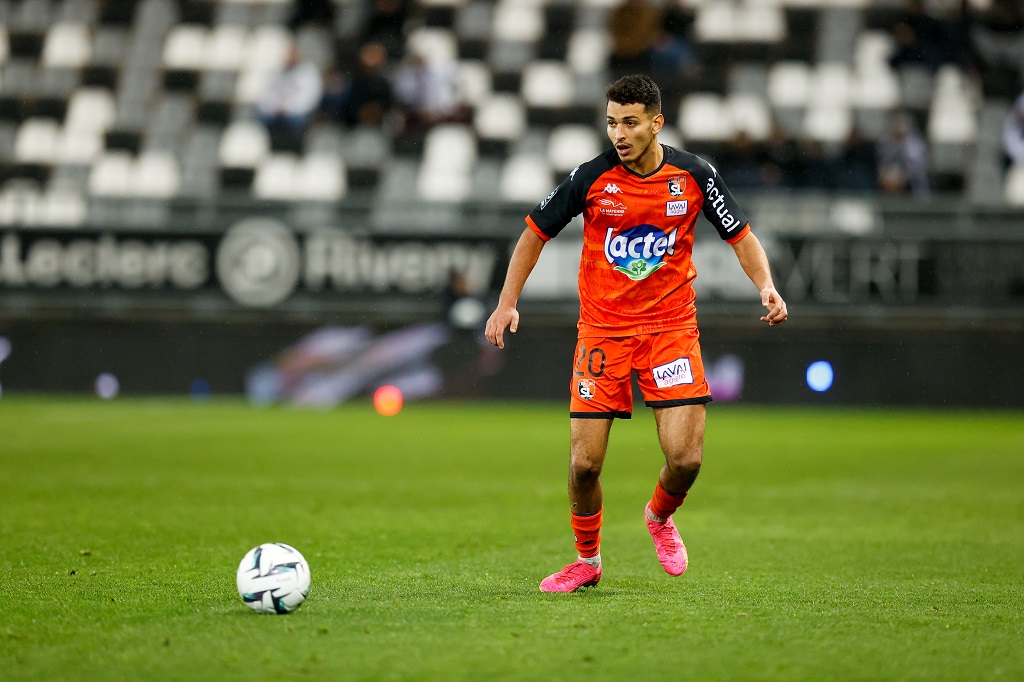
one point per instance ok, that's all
(819, 376)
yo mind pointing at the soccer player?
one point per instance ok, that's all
(639, 202)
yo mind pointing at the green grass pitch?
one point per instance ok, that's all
(824, 544)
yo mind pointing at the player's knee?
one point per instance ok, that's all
(685, 461)
(585, 471)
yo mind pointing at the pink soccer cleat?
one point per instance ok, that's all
(670, 547)
(571, 578)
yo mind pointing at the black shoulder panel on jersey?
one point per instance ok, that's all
(720, 208)
(568, 199)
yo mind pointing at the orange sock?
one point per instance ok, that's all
(587, 529)
(664, 503)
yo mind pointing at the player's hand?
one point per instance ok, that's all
(777, 313)
(503, 317)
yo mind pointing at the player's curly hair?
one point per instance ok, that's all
(636, 89)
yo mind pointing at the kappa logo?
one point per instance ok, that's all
(676, 186)
(673, 373)
(612, 188)
(586, 388)
(611, 207)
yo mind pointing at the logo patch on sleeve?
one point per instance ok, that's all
(675, 208)
(674, 373)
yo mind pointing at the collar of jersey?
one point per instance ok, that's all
(664, 159)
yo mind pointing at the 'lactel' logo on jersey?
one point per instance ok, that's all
(638, 251)
(673, 373)
(717, 200)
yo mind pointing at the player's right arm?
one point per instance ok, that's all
(505, 315)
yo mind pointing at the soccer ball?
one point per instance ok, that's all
(273, 578)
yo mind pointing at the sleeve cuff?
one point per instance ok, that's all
(742, 233)
(533, 226)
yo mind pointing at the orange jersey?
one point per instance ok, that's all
(636, 274)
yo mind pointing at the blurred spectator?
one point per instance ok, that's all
(635, 27)
(859, 169)
(365, 97)
(316, 12)
(1013, 133)
(903, 159)
(427, 90)
(780, 162)
(817, 169)
(291, 97)
(741, 158)
(920, 38)
(999, 36)
(385, 24)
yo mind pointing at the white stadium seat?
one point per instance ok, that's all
(570, 145)
(36, 141)
(547, 84)
(244, 144)
(111, 175)
(526, 179)
(185, 47)
(67, 45)
(500, 117)
(704, 116)
(276, 178)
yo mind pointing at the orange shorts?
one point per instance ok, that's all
(668, 367)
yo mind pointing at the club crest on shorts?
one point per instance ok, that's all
(673, 373)
(586, 388)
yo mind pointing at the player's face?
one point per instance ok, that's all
(632, 130)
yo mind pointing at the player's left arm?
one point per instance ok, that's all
(754, 261)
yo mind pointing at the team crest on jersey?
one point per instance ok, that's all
(676, 186)
(586, 388)
(638, 251)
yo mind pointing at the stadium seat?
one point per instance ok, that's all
(78, 147)
(828, 123)
(276, 178)
(526, 179)
(155, 175)
(704, 117)
(243, 145)
(588, 51)
(572, 144)
(517, 22)
(749, 113)
(1013, 189)
(37, 140)
(185, 47)
(321, 177)
(90, 109)
(717, 22)
(474, 82)
(224, 48)
(789, 84)
(547, 84)
(434, 45)
(111, 175)
(66, 45)
(500, 117)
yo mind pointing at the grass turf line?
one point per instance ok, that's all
(824, 544)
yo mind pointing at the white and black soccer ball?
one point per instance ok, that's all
(273, 578)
